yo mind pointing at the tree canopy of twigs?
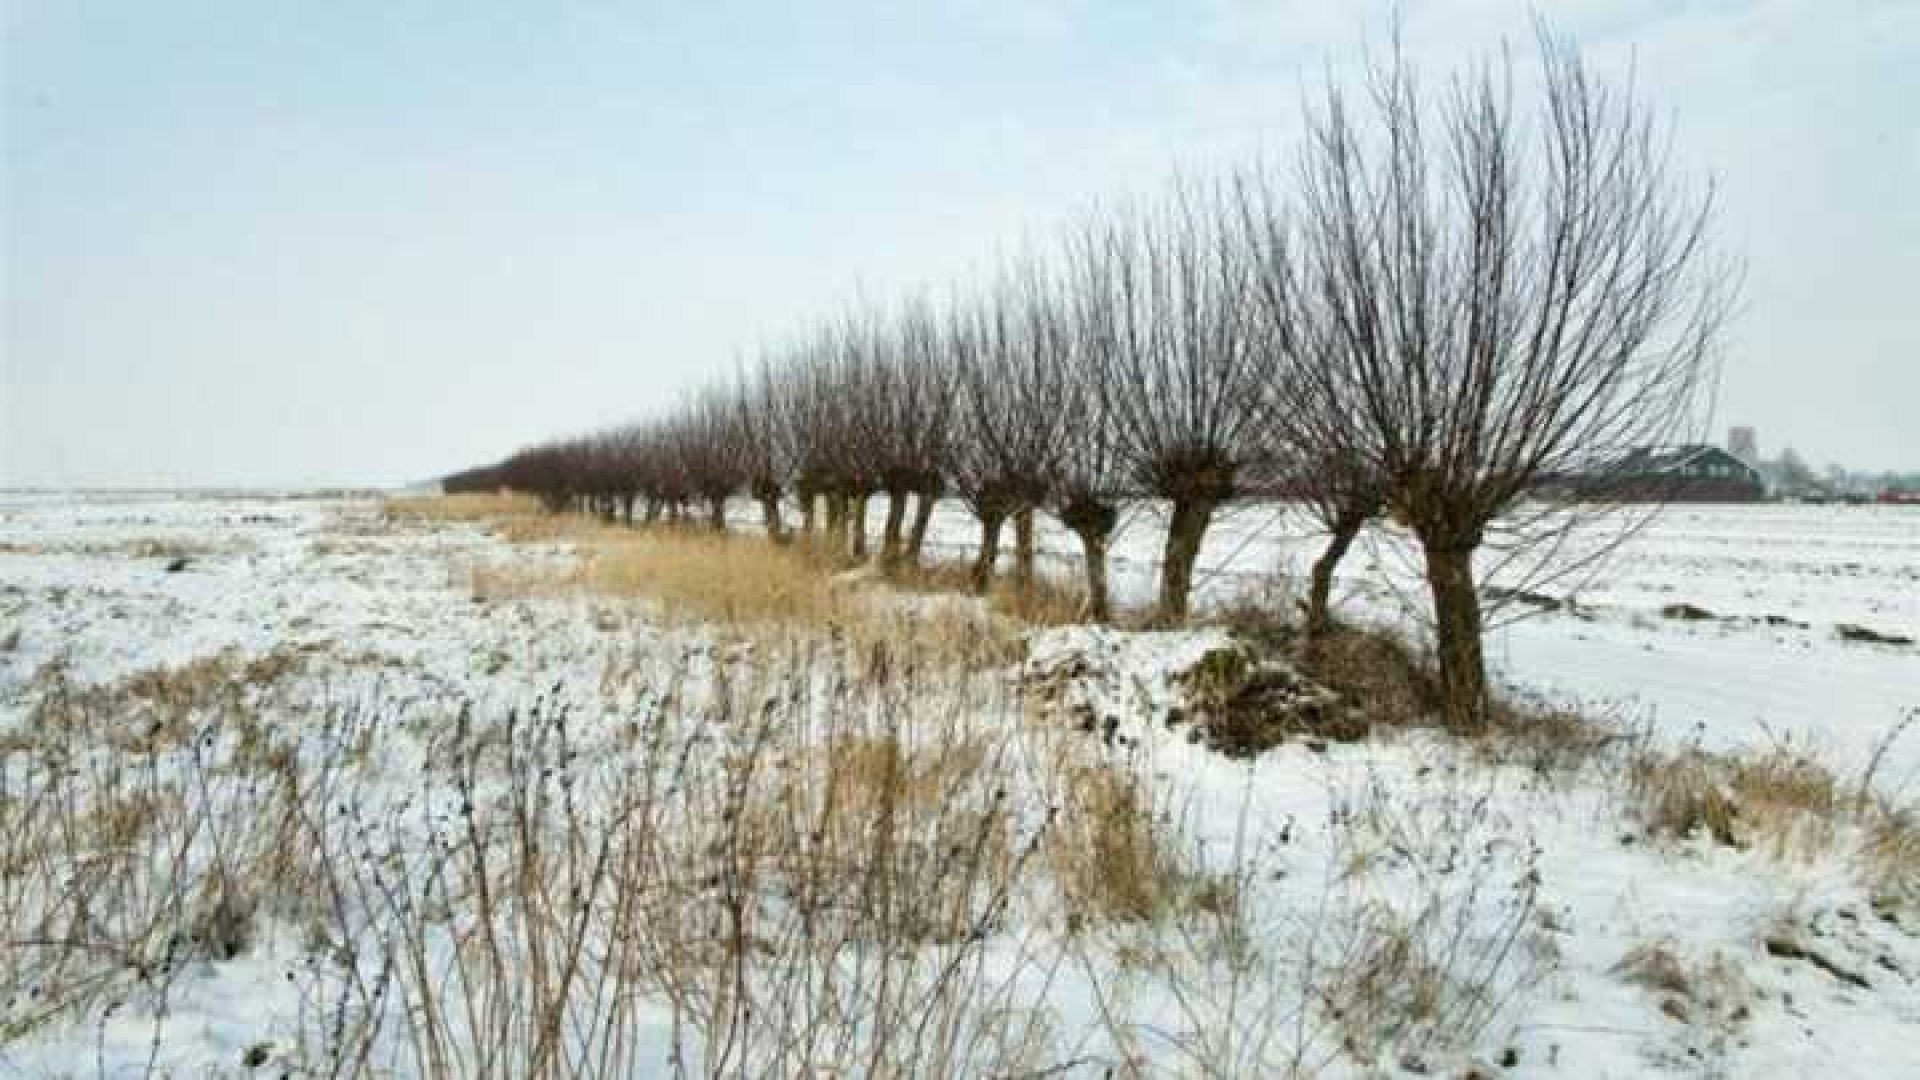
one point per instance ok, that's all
(1479, 306)
(1441, 309)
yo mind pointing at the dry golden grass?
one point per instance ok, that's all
(708, 577)
(1686, 794)
(743, 587)
(1892, 858)
(495, 582)
(909, 832)
(1656, 966)
(1790, 803)
(697, 576)
(937, 576)
(543, 528)
(1713, 992)
(450, 508)
(1389, 982)
(1109, 856)
(1785, 804)
(1046, 602)
(155, 708)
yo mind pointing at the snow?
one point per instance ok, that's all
(1546, 873)
(1731, 682)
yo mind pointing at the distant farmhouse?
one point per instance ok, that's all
(1692, 473)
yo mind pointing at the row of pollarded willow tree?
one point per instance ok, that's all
(1444, 302)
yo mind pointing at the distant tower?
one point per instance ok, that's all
(1743, 444)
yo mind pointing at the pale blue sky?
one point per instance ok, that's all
(366, 242)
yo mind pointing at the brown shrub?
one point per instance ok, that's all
(1375, 673)
(1685, 794)
(1778, 800)
(1892, 857)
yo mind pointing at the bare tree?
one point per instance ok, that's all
(552, 472)
(910, 403)
(1305, 455)
(663, 475)
(864, 397)
(1082, 492)
(1167, 290)
(1009, 352)
(1486, 308)
(819, 422)
(767, 446)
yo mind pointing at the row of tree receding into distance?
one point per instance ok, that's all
(1442, 302)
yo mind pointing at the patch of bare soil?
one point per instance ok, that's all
(1868, 636)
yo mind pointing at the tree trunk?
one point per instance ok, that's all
(626, 507)
(1320, 593)
(857, 528)
(835, 537)
(1093, 520)
(989, 554)
(807, 500)
(922, 517)
(770, 514)
(1023, 551)
(890, 535)
(1191, 516)
(1457, 629)
(653, 510)
(717, 513)
(1093, 548)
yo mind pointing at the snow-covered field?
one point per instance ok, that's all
(1772, 664)
(1402, 905)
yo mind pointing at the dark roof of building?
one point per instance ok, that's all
(1645, 460)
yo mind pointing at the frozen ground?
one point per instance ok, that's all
(1561, 940)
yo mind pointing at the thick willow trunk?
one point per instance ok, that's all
(989, 553)
(1093, 520)
(1191, 517)
(1093, 550)
(835, 538)
(922, 517)
(890, 538)
(807, 502)
(1457, 636)
(1023, 551)
(857, 528)
(717, 513)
